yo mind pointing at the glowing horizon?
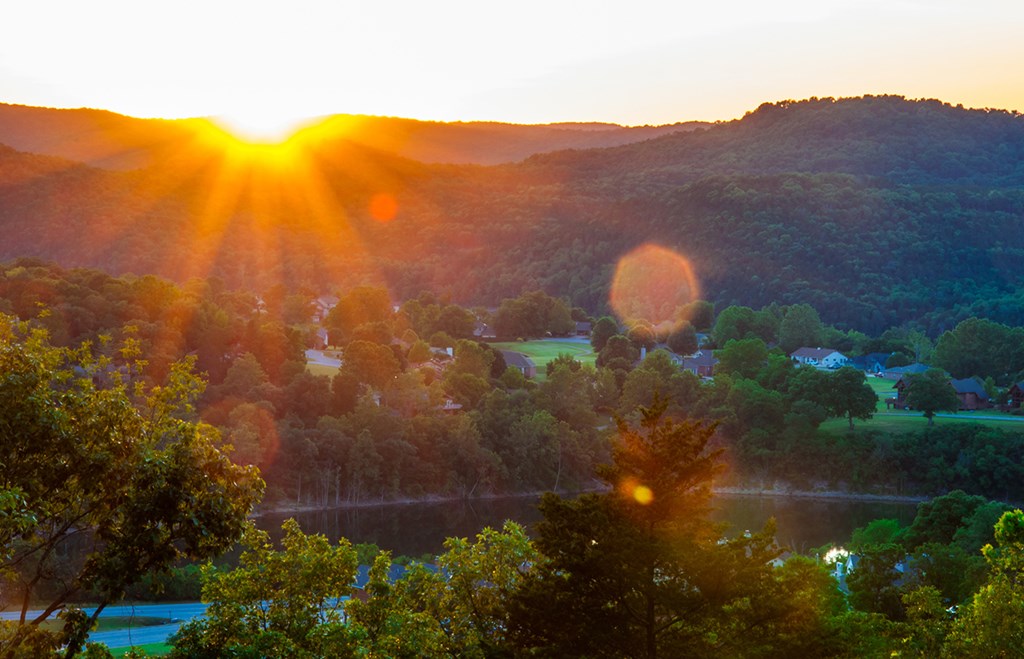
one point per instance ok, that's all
(534, 63)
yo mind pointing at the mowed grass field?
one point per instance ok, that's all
(152, 649)
(320, 369)
(543, 351)
(897, 421)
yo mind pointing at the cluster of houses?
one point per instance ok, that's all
(970, 391)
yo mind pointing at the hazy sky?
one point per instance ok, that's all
(526, 61)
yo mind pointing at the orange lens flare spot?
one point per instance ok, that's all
(652, 283)
(633, 489)
(643, 495)
(383, 207)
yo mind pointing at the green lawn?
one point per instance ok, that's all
(320, 369)
(883, 389)
(152, 649)
(898, 422)
(543, 351)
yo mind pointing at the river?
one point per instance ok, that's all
(420, 528)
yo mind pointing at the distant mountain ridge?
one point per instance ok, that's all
(113, 141)
(875, 210)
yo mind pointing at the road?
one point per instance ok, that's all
(965, 415)
(122, 638)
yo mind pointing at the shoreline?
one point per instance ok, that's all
(775, 493)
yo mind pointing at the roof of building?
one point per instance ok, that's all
(814, 353)
(910, 369)
(970, 386)
(870, 359)
(700, 358)
(517, 359)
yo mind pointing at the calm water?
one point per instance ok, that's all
(416, 529)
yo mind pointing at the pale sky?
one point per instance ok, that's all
(529, 61)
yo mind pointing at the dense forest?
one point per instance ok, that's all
(877, 211)
(419, 407)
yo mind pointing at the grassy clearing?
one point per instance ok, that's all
(543, 351)
(900, 422)
(152, 649)
(320, 369)
(883, 389)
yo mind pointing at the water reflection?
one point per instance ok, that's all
(420, 528)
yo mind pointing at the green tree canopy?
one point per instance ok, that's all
(742, 357)
(848, 394)
(931, 392)
(801, 326)
(683, 340)
(93, 457)
(605, 328)
(640, 571)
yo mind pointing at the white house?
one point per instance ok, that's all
(820, 357)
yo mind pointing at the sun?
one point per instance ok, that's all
(262, 126)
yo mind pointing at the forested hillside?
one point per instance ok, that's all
(114, 141)
(876, 211)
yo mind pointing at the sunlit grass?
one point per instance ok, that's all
(322, 369)
(543, 351)
(152, 649)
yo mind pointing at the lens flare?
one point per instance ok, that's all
(643, 495)
(653, 283)
(383, 207)
(633, 489)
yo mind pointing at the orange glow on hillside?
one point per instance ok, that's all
(651, 283)
(262, 128)
(270, 210)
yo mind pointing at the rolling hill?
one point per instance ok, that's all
(876, 210)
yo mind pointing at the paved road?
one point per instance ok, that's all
(965, 415)
(126, 638)
(122, 638)
(318, 357)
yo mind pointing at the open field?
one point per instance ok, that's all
(321, 369)
(152, 649)
(883, 389)
(545, 350)
(899, 422)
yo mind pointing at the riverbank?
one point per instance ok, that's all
(825, 495)
(284, 508)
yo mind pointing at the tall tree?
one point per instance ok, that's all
(743, 357)
(640, 571)
(683, 340)
(931, 392)
(993, 624)
(93, 458)
(801, 326)
(848, 394)
(604, 329)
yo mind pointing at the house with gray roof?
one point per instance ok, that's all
(520, 361)
(819, 357)
(972, 394)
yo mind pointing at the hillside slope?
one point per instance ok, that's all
(877, 211)
(112, 141)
